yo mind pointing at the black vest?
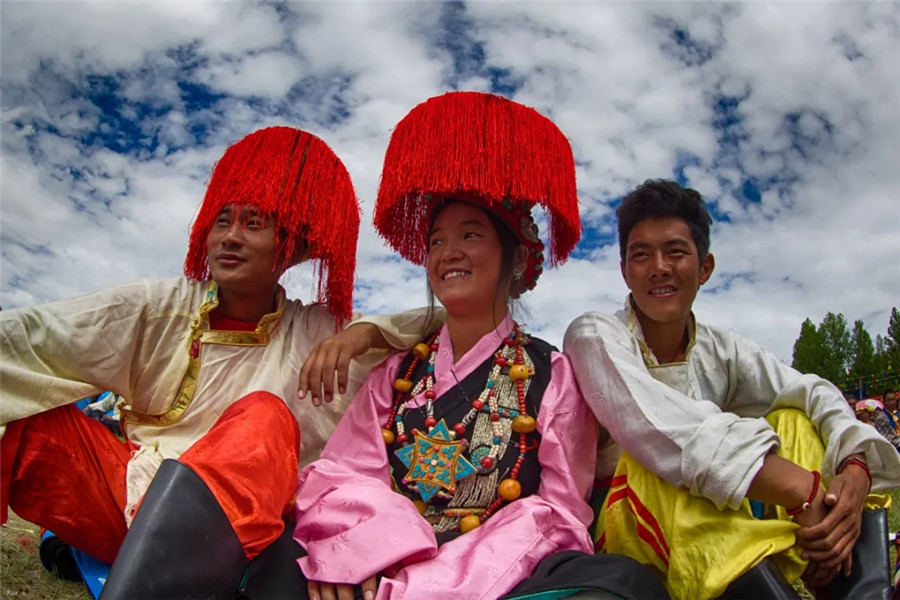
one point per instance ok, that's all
(454, 405)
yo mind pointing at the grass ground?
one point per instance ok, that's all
(23, 578)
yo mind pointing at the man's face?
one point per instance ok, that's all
(890, 401)
(241, 250)
(663, 270)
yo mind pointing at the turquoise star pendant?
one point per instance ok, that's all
(435, 461)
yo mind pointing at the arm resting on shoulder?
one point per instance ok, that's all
(330, 359)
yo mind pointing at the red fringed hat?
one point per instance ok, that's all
(295, 177)
(483, 149)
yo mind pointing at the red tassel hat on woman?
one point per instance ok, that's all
(486, 150)
(454, 426)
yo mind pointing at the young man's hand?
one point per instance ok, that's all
(829, 542)
(333, 356)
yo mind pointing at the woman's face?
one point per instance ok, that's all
(464, 261)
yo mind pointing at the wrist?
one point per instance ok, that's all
(861, 469)
(814, 491)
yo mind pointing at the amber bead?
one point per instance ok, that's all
(421, 351)
(388, 436)
(420, 505)
(523, 424)
(468, 523)
(509, 489)
(518, 372)
(402, 385)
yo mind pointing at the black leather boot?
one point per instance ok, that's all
(762, 581)
(275, 574)
(870, 576)
(180, 545)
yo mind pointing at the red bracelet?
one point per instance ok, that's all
(812, 496)
(852, 460)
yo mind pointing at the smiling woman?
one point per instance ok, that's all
(474, 453)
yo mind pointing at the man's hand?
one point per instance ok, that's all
(829, 543)
(333, 356)
(319, 590)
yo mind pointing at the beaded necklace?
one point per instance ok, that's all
(435, 458)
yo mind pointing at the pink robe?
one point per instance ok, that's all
(353, 525)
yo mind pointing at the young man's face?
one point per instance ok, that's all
(241, 250)
(890, 401)
(663, 270)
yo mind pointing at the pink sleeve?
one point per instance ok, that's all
(348, 518)
(490, 560)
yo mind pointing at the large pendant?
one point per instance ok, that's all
(435, 461)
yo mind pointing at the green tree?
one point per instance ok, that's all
(835, 339)
(808, 352)
(892, 341)
(862, 353)
(880, 360)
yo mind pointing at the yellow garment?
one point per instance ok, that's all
(696, 548)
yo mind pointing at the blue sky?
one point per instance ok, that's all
(784, 116)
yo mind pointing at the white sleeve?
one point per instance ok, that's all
(764, 384)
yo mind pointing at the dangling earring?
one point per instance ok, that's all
(517, 274)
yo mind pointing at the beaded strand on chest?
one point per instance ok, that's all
(433, 448)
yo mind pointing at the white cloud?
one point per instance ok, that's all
(636, 88)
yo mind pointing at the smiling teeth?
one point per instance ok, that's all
(663, 290)
(454, 275)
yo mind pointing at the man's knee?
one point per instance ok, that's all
(268, 413)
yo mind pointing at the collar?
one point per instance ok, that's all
(634, 327)
(475, 356)
(265, 328)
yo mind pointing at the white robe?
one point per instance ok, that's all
(135, 339)
(700, 423)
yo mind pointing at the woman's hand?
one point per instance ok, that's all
(333, 356)
(319, 590)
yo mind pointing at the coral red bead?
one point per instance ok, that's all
(402, 438)
(495, 417)
(430, 422)
(501, 361)
(487, 462)
(430, 394)
(477, 404)
(460, 429)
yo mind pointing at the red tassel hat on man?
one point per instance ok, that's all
(208, 366)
